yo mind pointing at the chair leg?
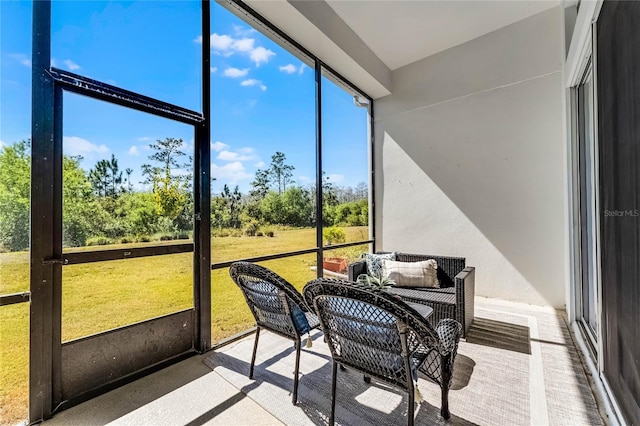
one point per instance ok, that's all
(295, 374)
(255, 349)
(446, 378)
(411, 410)
(332, 418)
(444, 410)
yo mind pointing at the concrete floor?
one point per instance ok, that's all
(530, 343)
(187, 393)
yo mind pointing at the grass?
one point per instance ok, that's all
(100, 296)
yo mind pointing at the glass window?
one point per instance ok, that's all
(14, 363)
(263, 144)
(15, 187)
(586, 151)
(229, 311)
(148, 47)
(345, 163)
(336, 261)
(15, 145)
(138, 289)
(127, 176)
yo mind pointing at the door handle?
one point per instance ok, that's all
(52, 261)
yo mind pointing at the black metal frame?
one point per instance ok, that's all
(46, 349)
(13, 298)
(46, 256)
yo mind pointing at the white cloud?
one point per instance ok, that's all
(220, 42)
(289, 68)
(303, 66)
(144, 139)
(74, 145)
(236, 72)
(228, 156)
(232, 172)
(54, 63)
(214, 69)
(243, 154)
(226, 45)
(22, 58)
(218, 146)
(260, 164)
(260, 54)
(2, 144)
(304, 179)
(335, 178)
(71, 66)
(254, 82)
(241, 31)
(243, 45)
(133, 150)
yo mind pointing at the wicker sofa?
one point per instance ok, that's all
(455, 297)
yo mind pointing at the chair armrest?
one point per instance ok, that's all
(357, 268)
(465, 283)
(448, 331)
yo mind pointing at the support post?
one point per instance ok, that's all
(46, 223)
(202, 200)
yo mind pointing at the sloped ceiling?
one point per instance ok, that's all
(401, 32)
(365, 40)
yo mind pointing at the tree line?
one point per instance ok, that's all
(102, 205)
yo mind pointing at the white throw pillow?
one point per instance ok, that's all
(412, 274)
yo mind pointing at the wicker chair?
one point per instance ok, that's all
(276, 305)
(377, 333)
(455, 297)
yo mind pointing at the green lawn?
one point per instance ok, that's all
(104, 295)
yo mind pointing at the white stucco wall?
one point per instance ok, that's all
(470, 160)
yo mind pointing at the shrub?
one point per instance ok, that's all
(259, 234)
(98, 241)
(251, 228)
(223, 234)
(183, 236)
(268, 231)
(166, 237)
(143, 239)
(236, 233)
(334, 235)
(126, 240)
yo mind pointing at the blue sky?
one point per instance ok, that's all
(262, 100)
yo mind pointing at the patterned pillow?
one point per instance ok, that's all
(374, 262)
(300, 320)
(412, 274)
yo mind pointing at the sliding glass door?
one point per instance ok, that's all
(587, 205)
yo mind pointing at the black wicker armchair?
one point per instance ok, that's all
(276, 305)
(455, 297)
(377, 333)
